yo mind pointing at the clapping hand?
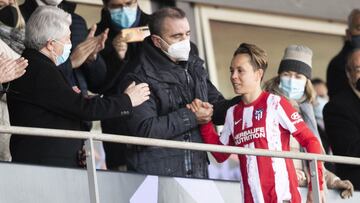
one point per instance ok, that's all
(11, 69)
(88, 49)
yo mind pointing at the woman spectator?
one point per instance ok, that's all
(293, 82)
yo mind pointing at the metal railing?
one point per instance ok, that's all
(89, 137)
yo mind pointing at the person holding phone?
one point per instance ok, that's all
(116, 16)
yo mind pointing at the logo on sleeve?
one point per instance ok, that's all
(296, 118)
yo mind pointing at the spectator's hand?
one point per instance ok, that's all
(301, 177)
(120, 45)
(202, 110)
(138, 93)
(310, 197)
(76, 89)
(345, 186)
(101, 39)
(11, 69)
(82, 51)
(82, 157)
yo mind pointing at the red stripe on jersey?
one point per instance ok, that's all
(267, 178)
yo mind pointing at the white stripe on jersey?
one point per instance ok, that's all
(284, 120)
(282, 185)
(241, 187)
(228, 128)
(227, 131)
(247, 117)
(253, 176)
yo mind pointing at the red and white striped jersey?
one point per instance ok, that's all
(266, 123)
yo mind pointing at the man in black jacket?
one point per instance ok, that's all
(117, 53)
(43, 98)
(176, 77)
(342, 121)
(335, 76)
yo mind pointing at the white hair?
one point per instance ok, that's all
(47, 22)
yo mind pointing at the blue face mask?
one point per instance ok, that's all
(65, 54)
(355, 41)
(292, 88)
(124, 17)
(319, 106)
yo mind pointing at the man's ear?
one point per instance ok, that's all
(50, 45)
(156, 41)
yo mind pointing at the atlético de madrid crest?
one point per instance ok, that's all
(258, 114)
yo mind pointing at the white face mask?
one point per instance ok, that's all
(48, 2)
(179, 50)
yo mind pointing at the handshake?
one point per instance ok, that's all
(202, 110)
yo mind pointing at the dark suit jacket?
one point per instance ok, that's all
(43, 98)
(342, 124)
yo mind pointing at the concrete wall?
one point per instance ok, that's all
(36, 184)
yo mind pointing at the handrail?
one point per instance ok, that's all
(90, 159)
(71, 134)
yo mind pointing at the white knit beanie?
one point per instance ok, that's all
(297, 58)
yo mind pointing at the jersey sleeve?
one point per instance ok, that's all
(291, 120)
(210, 136)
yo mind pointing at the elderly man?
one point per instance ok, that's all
(84, 70)
(336, 78)
(43, 98)
(176, 77)
(342, 121)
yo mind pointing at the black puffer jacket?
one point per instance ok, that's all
(165, 115)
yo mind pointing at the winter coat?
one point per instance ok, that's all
(342, 125)
(165, 116)
(43, 98)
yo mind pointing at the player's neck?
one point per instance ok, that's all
(252, 96)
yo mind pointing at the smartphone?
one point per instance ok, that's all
(135, 34)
